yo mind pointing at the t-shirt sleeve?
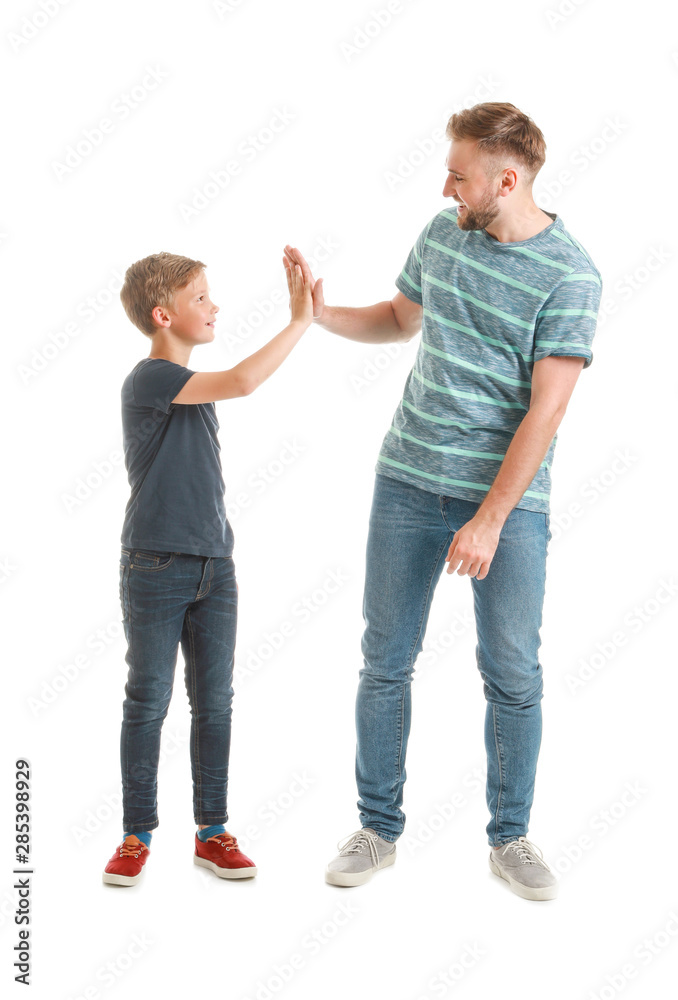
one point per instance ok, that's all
(566, 322)
(158, 382)
(409, 280)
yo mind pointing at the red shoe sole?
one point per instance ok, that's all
(225, 872)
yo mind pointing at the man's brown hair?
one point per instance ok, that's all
(500, 130)
(154, 281)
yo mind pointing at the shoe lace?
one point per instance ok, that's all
(130, 850)
(225, 840)
(357, 842)
(528, 853)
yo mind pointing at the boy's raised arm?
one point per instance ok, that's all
(245, 377)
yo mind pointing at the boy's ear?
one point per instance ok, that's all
(160, 316)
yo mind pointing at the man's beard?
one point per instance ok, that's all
(481, 216)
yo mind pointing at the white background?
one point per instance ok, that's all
(599, 79)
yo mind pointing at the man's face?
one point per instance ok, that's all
(193, 314)
(468, 185)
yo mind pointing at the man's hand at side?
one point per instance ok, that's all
(473, 548)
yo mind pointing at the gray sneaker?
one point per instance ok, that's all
(362, 854)
(523, 866)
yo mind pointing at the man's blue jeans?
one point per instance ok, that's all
(167, 599)
(410, 532)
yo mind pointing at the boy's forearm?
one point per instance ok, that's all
(255, 369)
(375, 324)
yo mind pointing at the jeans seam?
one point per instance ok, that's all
(196, 716)
(497, 743)
(154, 821)
(401, 727)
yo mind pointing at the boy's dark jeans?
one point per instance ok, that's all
(169, 598)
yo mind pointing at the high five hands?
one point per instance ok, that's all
(293, 257)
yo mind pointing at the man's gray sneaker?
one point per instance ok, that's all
(362, 854)
(523, 866)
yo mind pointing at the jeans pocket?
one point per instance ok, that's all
(150, 561)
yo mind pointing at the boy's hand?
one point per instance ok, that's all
(301, 298)
(293, 255)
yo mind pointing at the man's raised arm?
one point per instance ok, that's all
(396, 320)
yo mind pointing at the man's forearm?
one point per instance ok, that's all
(375, 324)
(521, 462)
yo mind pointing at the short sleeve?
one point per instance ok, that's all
(157, 383)
(409, 280)
(566, 322)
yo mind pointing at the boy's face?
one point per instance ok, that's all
(192, 317)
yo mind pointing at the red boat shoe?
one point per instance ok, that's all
(222, 855)
(127, 864)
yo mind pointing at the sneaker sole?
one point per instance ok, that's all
(357, 878)
(527, 892)
(224, 872)
(112, 879)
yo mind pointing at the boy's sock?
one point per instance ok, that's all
(211, 831)
(145, 836)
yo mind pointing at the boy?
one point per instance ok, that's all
(177, 577)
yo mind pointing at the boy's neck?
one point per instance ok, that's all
(178, 355)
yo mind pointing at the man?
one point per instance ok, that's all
(507, 301)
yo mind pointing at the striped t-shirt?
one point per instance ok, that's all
(490, 310)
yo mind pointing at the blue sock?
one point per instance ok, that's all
(145, 836)
(210, 831)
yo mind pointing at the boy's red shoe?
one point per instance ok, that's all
(127, 864)
(222, 855)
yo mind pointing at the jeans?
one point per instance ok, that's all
(410, 532)
(169, 598)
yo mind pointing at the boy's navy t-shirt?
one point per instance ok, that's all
(172, 456)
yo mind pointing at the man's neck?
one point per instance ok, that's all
(521, 227)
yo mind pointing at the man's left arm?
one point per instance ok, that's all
(553, 381)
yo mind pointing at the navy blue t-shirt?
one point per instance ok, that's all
(172, 456)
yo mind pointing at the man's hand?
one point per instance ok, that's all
(293, 255)
(473, 548)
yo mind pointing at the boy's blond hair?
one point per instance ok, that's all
(154, 281)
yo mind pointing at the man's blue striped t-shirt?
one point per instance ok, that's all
(490, 310)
